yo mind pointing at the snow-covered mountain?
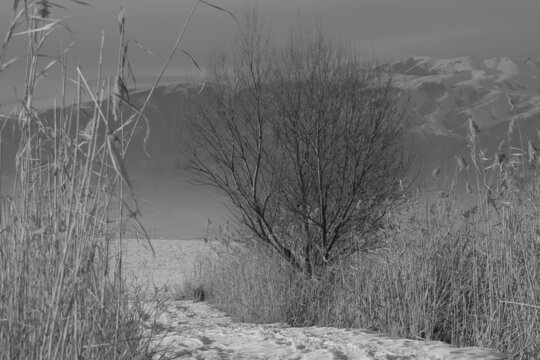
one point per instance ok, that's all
(442, 94)
(445, 93)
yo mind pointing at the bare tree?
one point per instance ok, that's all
(306, 142)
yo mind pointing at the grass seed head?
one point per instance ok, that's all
(462, 163)
(468, 188)
(502, 147)
(473, 130)
(532, 151)
(122, 19)
(499, 158)
(44, 9)
(119, 92)
(511, 127)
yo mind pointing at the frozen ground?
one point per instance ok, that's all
(167, 268)
(187, 330)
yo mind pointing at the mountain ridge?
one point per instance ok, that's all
(490, 91)
(445, 94)
(442, 96)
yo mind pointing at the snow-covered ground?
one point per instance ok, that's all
(187, 330)
(167, 269)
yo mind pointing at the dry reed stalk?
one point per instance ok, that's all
(60, 298)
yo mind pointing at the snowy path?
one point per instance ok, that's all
(188, 330)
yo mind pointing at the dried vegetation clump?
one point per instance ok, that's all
(459, 266)
(62, 293)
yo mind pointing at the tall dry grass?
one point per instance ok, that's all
(62, 291)
(62, 294)
(463, 268)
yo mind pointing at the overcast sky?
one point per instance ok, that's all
(386, 29)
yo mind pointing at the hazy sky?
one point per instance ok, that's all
(387, 29)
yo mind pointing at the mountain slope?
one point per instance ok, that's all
(443, 94)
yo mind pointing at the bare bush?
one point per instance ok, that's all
(306, 142)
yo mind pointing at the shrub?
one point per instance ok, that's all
(306, 143)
